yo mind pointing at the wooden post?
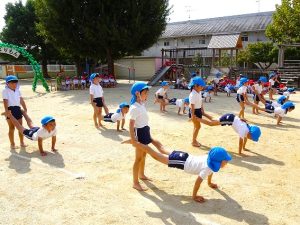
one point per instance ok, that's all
(213, 58)
(220, 55)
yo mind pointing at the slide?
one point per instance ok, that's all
(158, 75)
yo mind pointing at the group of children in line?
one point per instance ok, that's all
(140, 135)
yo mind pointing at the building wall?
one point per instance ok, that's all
(145, 68)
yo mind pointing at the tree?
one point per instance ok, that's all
(20, 30)
(261, 53)
(285, 27)
(102, 30)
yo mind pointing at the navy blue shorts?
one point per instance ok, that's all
(173, 101)
(143, 135)
(16, 112)
(177, 159)
(240, 98)
(227, 119)
(269, 108)
(197, 112)
(160, 97)
(107, 118)
(256, 98)
(98, 101)
(269, 102)
(29, 132)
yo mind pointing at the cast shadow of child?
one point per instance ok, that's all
(20, 161)
(178, 208)
(112, 133)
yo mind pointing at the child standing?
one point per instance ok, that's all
(97, 99)
(216, 82)
(272, 80)
(47, 130)
(257, 92)
(140, 131)
(241, 96)
(196, 108)
(12, 100)
(203, 166)
(161, 96)
(118, 116)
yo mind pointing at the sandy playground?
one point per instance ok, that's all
(260, 189)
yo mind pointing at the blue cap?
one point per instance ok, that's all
(291, 89)
(11, 78)
(47, 119)
(254, 132)
(186, 100)
(288, 105)
(138, 86)
(196, 81)
(272, 74)
(93, 76)
(281, 99)
(243, 81)
(263, 79)
(218, 74)
(164, 83)
(123, 104)
(215, 157)
(210, 88)
(193, 74)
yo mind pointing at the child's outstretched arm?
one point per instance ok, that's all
(40, 144)
(122, 125)
(131, 131)
(53, 144)
(279, 118)
(241, 143)
(27, 118)
(23, 104)
(118, 125)
(197, 198)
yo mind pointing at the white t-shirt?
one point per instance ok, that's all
(275, 104)
(206, 94)
(117, 117)
(258, 88)
(196, 99)
(242, 90)
(13, 97)
(179, 103)
(227, 89)
(197, 165)
(106, 80)
(279, 111)
(161, 92)
(240, 127)
(43, 133)
(96, 90)
(237, 83)
(272, 82)
(286, 93)
(138, 113)
(75, 81)
(216, 80)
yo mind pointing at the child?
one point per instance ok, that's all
(75, 83)
(140, 131)
(182, 104)
(83, 81)
(203, 166)
(272, 80)
(216, 82)
(228, 88)
(207, 93)
(161, 96)
(196, 108)
(112, 81)
(279, 111)
(68, 83)
(12, 100)
(257, 95)
(36, 133)
(106, 81)
(118, 116)
(241, 96)
(97, 99)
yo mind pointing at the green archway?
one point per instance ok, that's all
(15, 51)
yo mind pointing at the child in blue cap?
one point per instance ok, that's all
(180, 103)
(257, 89)
(203, 166)
(118, 116)
(207, 93)
(12, 101)
(161, 96)
(38, 134)
(216, 81)
(97, 99)
(196, 85)
(241, 96)
(140, 131)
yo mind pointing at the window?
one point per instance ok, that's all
(202, 41)
(244, 37)
(166, 43)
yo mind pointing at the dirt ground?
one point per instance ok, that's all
(262, 188)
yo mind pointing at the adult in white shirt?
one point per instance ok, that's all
(203, 166)
(97, 99)
(12, 100)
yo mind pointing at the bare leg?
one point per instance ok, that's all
(197, 127)
(136, 167)
(95, 117)
(99, 116)
(241, 114)
(160, 147)
(11, 134)
(28, 120)
(155, 155)
(21, 136)
(142, 175)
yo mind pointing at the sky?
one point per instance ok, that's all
(197, 9)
